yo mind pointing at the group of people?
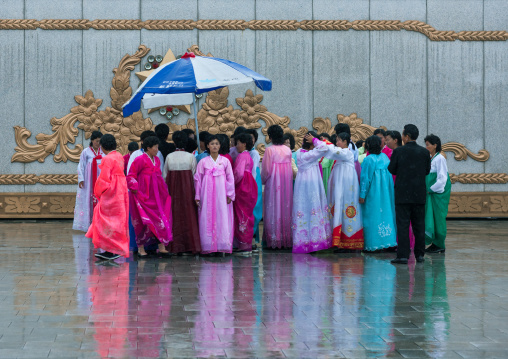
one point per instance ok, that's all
(169, 198)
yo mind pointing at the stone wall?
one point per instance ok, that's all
(455, 89)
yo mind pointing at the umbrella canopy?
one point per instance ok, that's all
(194, 74)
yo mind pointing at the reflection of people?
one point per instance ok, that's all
(88, 171)
(438, 197)
(110, 226)
(277, 176)
(377, 198)
(411, 164)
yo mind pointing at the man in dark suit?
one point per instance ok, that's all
(411, 164)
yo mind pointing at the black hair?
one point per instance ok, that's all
(434, 140)
(150, 141)
(373, 145)
(396, 136)
(210, 139)
(224, 144)
(203, 136)
(359, 143)
(324, 134)
(146, 134)
(108, 142)
(379, 130)
(133, 146)
(253, 132)
(306, 145)
(238, 130)
(245, 138)
(342, 127)
(172, 147)
(162, 131)
(188, 132)
(95, 135)
(276, 134)
(288, 136)
(333, 139)
(411, 131)
(344, 136)
(191, 145)
(179, 138)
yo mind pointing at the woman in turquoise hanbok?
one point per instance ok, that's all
(377, 199)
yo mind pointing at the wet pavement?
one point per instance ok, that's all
(56, 300)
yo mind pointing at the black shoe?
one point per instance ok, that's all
(434, 249)
(141, 256)
(420, 259)
(165, 254)
(343, 250)
(399, 261)
(103, 255)
(255, 248)
(391, 249)
(112, 256)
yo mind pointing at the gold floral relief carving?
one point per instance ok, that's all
(22, 204)
(37, 205)
(61, 204)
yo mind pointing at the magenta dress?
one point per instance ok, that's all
(150, 207)
(277, 176)
(214, 183)
(246, 197)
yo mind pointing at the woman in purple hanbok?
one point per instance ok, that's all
(149, 199)
(215, 192)
(311, 214)
(277, 176)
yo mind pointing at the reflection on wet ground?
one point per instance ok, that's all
(56, 300)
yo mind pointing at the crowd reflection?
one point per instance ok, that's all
(261, 305)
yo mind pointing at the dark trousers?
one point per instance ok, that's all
(414, 214)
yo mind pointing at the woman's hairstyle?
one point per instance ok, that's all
(188, 132)
(396, 136)
(210, 139)
(373, 145)
(203, 136)
(224, 144)
(306, 145)
(344, 136)
(333, 139)
(253, 132)
(191, 145)
(133, 146)
(288, 136)
(162, 131)
(342, 127)
(276, 134)
(434, 140)
(95, 135)
(238, 130)
(325, 135)
(245, 138)
(379, 130)
(108, 142)
(359, 143)
(411, 131)
(150, 142)
(180, 139)
(146, 134)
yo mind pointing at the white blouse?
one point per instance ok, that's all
(179, 161)
(439, 166)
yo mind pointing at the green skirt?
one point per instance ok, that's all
(436, 210)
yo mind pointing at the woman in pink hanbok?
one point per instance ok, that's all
(277, 176)
(88, 172)
(311, 215)
(150, 201)
(215, 192)
(246, 194)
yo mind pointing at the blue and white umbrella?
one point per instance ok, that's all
(192, 75)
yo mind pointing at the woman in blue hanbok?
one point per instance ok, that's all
(377, 199)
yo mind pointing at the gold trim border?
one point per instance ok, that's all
(61, 205)
(278, 25)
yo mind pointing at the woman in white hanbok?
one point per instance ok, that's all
(88, 171)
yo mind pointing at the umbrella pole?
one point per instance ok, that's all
(196, 118)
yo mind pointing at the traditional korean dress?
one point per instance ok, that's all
(378, 211)
(343, 195)
(258, 209)
(438, 197)
(179, 170)
(88, 171)
(246, 196)
(214, 183)
(110, 226)
(277, 176)
(311, 215)
(150, 207)
(326, 169)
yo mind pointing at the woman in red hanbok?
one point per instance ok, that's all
(110, 225)
(246, 195)
(150, 200)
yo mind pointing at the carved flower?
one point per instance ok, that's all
(61, 204)
(499, 204)
(111, 120)
(250, 104)
(136, 124)
(298, 135)
(358, 129)
(229, 121)
(86, 112)
(22, 204)
(465, 204)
